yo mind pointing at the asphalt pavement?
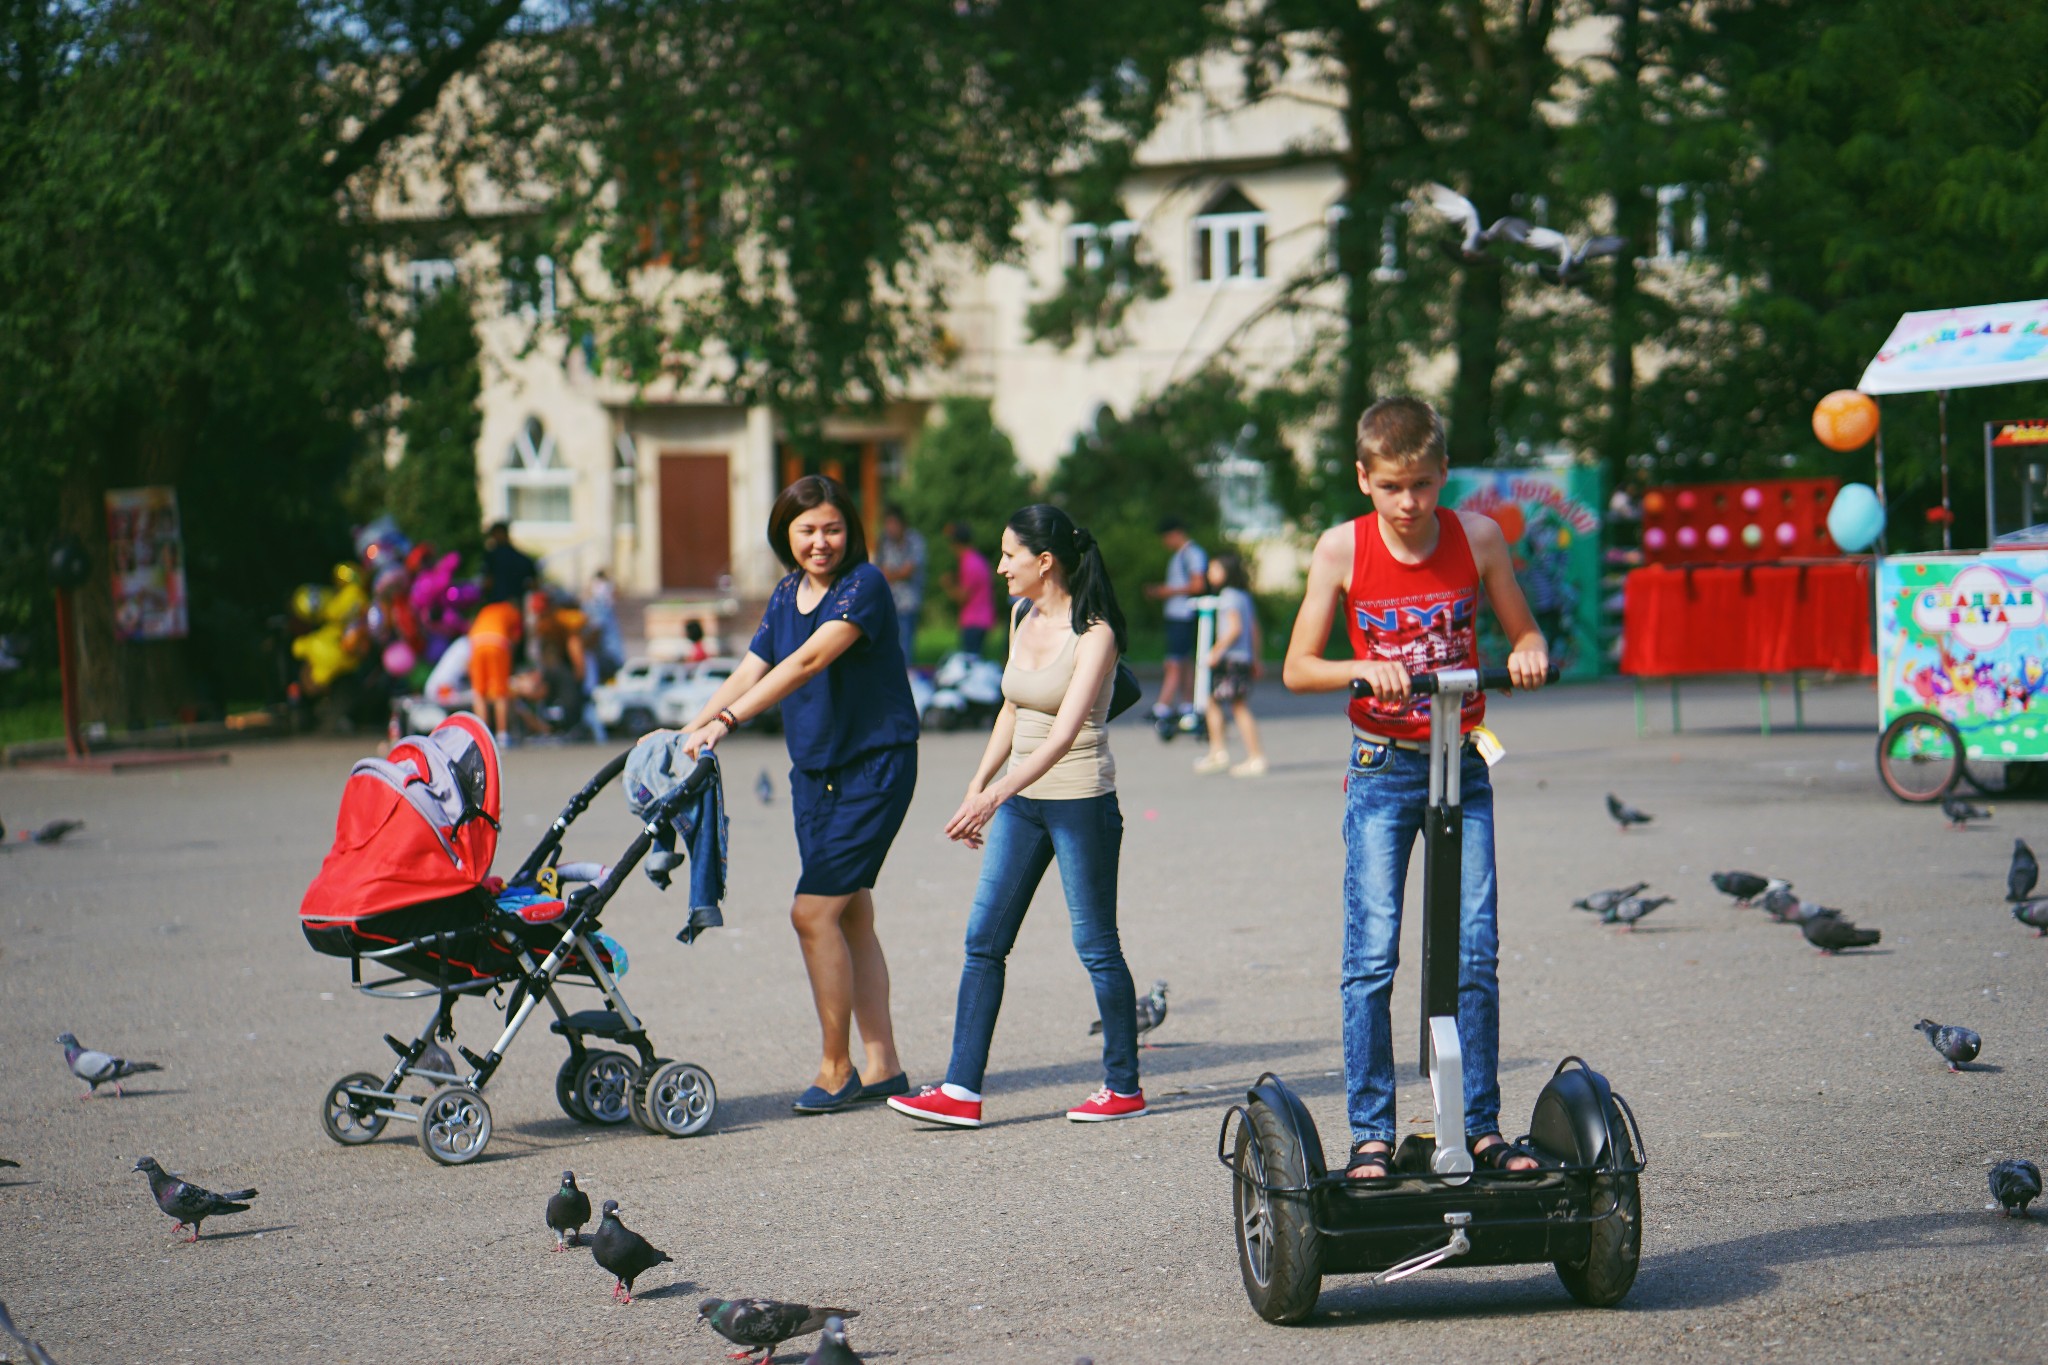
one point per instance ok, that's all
(1816, 1187)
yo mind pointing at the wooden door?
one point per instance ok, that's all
(696, 520)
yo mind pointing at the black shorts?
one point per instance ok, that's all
(1232, 682)
(846, 818)
(1180, 638)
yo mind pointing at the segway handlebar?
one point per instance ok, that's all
(1462, 680)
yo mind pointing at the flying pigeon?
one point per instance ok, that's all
(1624, 814)
(622, 1252)
(2033, 914)
(1600, 902)
(1634, 908)
(53, 832)
(1831, 932)
(1784, 907)
(764, 788)
(99, 1068)
(1569, 258)
(833, 1350)
(1960, 812)
(2015, 1184)
(568, 1211)
(1955, 1043)
(1462, 212)
(2024, 872)
(1745, 886)
(1151, 1012)
(763, 1324)
(36, 1355)
(188, 1203)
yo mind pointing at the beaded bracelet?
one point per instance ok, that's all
(728, 719)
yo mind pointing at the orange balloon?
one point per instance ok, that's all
(1653, 503)
(1845, 419)
(1510, 518)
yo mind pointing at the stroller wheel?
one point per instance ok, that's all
(349, 1119)
(604, 1084)
(455, 1124)
(637, 1096)
(680, 1098)
(565, 1089)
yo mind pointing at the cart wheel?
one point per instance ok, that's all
(679, 1099)
(636, 1097)
(1278, 1250)
(1920, 757)
(604, 1084)
(565, 1089)
(1615, 1244)
(455, 1124)
(349, 1120)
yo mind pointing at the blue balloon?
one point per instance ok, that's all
(1857, 518)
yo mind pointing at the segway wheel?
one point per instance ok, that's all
(1279, 1252)
(565, 1089)
(604, 1085)
(348, 1119)
(1615, 1245)
(1920, 757)
(679, 1099)
(455, 1125)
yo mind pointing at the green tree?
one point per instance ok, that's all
(963, 468)
(432, 489)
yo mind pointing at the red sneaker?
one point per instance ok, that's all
(1105, 1104)
(934, 1105)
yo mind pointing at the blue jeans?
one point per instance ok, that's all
(1087, 836)
(1385, 796)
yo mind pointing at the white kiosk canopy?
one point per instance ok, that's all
(1962, 348)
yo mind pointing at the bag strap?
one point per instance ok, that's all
(1016, 614)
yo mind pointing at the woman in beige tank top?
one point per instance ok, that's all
(1046, 790)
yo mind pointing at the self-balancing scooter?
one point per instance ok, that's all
(1580, 1210)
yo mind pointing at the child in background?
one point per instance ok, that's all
(1233, 664)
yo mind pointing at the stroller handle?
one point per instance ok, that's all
(1458, 679)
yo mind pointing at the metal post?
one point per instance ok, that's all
(1205, 640)
(1675, 726)
(1763, 699)
(1642, 720)
(1798, 700)
(1990, 498)
(67, 675)
(1948, 515)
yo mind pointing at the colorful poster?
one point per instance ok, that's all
(1551, 518)
(147, 563)
(1963, 636)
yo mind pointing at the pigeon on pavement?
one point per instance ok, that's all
(1600, 902)
(1831, 931)
(764, 788)
(1634, 908)
(99, 1068)
(36, 1355)
(623, 1252)
(763, 1324)
(1960, 812)
(2015, 1184)
(2024, 872)
(1151, 1012)
(568, 1211)
(833, 1350)
(1744, 886)
(1461, 211)
(2033, 914)
(1781, 905)
(53, 832)
(7, 1164)
(1624, 814)
(189, 1204)
(1955, 1043)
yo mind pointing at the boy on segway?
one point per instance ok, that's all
(1407, 577)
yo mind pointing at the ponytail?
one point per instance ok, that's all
(1044, 529)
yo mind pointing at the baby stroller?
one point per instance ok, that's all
(406, 889)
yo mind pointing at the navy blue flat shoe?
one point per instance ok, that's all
(819, 1100)
(898, 1084)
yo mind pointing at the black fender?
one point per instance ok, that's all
(1274, 1093)
(1571, 1121)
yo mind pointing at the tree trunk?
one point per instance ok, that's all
(1632, 219)
(1478, 308)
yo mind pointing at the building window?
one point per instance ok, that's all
(1230, 239)
(1681, 222)
(537, 487)
(1087, 246)
(625, 484)
(530, 287)
(428, 277)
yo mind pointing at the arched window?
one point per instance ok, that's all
(1229, 239)
(537, 486)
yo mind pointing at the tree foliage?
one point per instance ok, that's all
(963, 468)
(432, 489)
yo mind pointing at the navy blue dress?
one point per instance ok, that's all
(852, 731)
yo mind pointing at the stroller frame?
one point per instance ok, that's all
(676, 1099)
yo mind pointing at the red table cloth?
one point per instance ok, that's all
(1757, 618)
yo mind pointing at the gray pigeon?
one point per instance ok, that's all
(1474, 240)
(568, 1211)
(434, 1057)
(763, 1324)
(189, 1204)
(764, 788)
(1551, 242)
(1600, 902)
(2015, 1184)
(1151, 1012)
(1781, 905)
(1955, 1043)
(36, 1355)
(1744, 886)
(2033, 914)
(99, 1068)
(1960, 812)
(623, 1252)
(53, 832)
(1634, 908)
(833, 1350)
(2024, 872)
(1831, 931)
(1624, 814)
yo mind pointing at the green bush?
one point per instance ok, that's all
(432, 489)
(963, 468)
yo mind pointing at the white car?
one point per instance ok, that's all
(678, 704)
(631, 700)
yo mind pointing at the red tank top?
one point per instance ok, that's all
(1422, 616)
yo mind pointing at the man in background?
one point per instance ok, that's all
(900, 555)
(1187, 577)
(509, 572)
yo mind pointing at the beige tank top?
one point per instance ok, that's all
(1086, 769)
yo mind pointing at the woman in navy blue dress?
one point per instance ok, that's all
(828, 650)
